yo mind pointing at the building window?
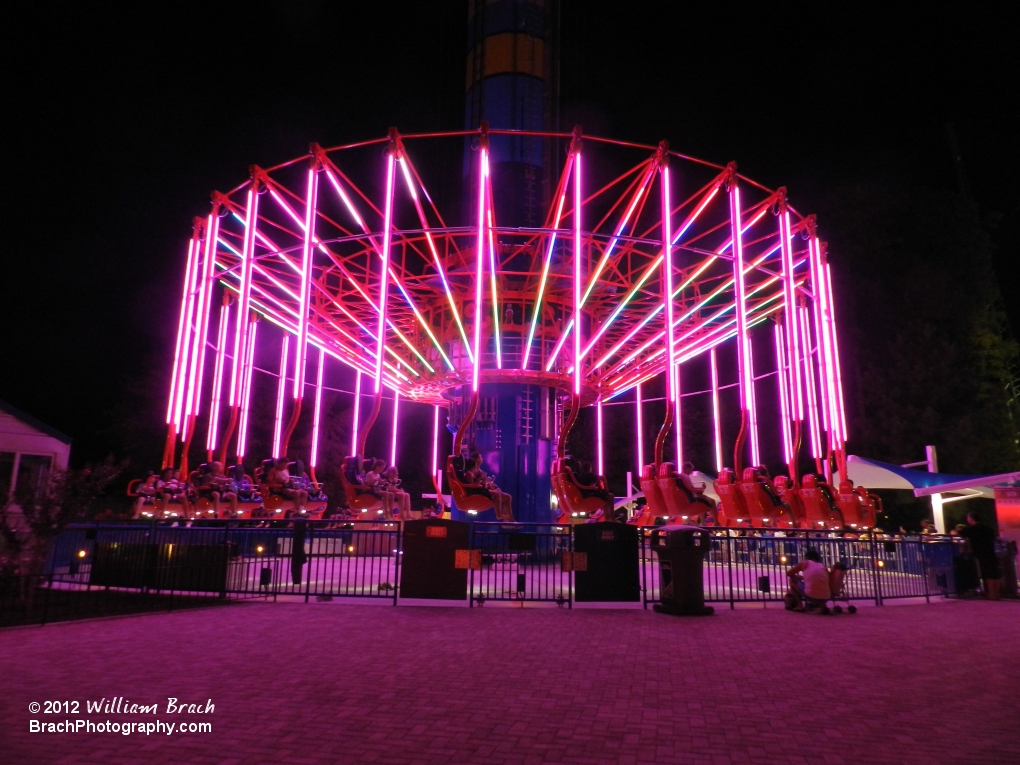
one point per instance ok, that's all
(33, 475)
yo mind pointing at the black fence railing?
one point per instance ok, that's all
(108, 569)
(751, 567)
(520, 562)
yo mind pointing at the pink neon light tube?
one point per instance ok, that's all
(393, 436)
(678, 420)
(578, 256)
(739, 296)
(753, 419)
(244, 294)
(816, 305)
(246, 368)
(405, 163)
(782, 385)
(483, 173)
(182, 372)
(182, 327)
(743, 335)
(640, 430)
(716, 422)
(201, 329)
(667, 282)
(790, 308)
(217, 393)
(301, 351)
(357, 407)
(536, 315)
(828, 374)
(212, 236)
(435, 439)
(280, 396)
(492, 281)
(598, 427)
(809, 384)
(835, 354)
(318, 408)
(384, 272)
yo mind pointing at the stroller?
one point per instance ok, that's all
(837, 594)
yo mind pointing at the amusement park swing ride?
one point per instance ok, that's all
(643, 260)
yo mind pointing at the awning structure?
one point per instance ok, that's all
(883, 475)
(941, 487)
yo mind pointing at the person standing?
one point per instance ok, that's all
(981, 539)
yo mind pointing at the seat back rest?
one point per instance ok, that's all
(655, 505)
(734, 508)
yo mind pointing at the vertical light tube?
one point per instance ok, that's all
(247, 367)
(784, 407)
(716, 421)
(791, 334)
(495, 296)
(598, 427)
(678, 419)
(318, 409)
(393, 435)
(753, 413)
(384, 272)
(198, 334)
(838, 377)
(640, 430)
(809, 385)
(667, 279)
(816, 305)
(536, 315)
(280, 396)
(212, 237)
(182, 369)
(740, 298)
(483, 173)
(218, 368)
(183, 327)
(307, 248)
(578, 255)
(828, 370)
(437, 473)
(244, 294)
(357, 409)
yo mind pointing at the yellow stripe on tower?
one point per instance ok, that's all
(508, 53)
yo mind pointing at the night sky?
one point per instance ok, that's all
(120, 123)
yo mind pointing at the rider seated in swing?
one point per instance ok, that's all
(374, 482)
(282, 484)
(686, 476)
(593, 485)
(478, 482)
(401, 499)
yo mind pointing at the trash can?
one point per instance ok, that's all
(681, 551)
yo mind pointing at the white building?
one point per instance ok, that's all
(29, 450)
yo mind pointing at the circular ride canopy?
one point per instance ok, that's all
(395, 257)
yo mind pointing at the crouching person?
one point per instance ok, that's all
(809, 584)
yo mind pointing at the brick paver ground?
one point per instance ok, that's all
(331, 683)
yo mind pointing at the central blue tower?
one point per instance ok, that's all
(512, 84)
